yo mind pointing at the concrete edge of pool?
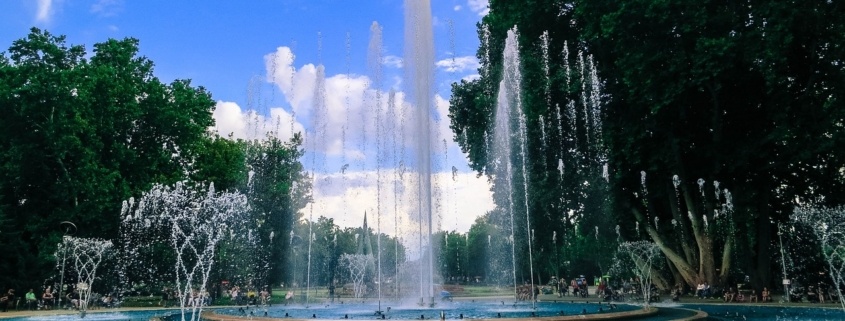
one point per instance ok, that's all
(699, 315)
(625, 315)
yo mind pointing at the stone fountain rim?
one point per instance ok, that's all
(635, 314)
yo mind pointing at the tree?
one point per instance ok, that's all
(714, 93)
(78, 136)
(681, 100)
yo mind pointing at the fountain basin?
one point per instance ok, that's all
(480, 310)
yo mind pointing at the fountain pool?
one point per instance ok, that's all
(468, 309)
(486, 309)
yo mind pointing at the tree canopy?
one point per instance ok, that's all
(700, 128)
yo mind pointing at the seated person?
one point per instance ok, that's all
(832, 294)
(8, 300)
(562, 289)
(765, 295)
(676, 294)
(730, 295)
(753, 296)
(812, 294)
(31, 301)
(707, 291)
(47, 298)
(73, 298)
(699, 290)
(739, 297)
(107, 301)
(607, 294)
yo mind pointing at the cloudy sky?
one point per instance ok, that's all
(260, 59)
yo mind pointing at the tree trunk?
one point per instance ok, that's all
(689, 252)
(726, 259)
(686, 271)
(764, 239)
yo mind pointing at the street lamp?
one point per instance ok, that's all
(69, 229)
(783, 263)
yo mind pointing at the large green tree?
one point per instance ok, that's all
(746, 94)
(687, 99)
(78, 135)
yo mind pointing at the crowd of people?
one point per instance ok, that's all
(250, 296)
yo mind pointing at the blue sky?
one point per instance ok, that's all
(220, 44)
(229, 47)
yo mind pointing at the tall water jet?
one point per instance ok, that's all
(508, 107)
(319, 116)
(502, 144)
(419, 73)
(374, 62)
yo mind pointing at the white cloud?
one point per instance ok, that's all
(471, 77)
(45, 11)
(457, 8)
(392, 61)
(107, 8)
(479, 6)
(231, 120)
(458, 201)
(459, 64)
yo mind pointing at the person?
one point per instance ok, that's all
(8, 299)
(812, 294)
(47, 298)
(753, 296)
(706, 289)
(699, 290)
(31, 301)
(600, 289)
(234, 295)
(579, 281)
(729, 295)
(73, 298)
(676, 295)
(765, 296)
(250, 296)
(107, 301)
(586, 290)
(561, 288)
(821, 294)
(264, 295)
(165, 296)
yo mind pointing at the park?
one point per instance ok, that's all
(649, 160)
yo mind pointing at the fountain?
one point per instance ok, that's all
(508, 108)
(828, 225)
(192, 220)
(358, 265)
(638, 258)
(86, 254)
(419, 73)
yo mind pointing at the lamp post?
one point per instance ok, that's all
(783, 263)
(69, 229)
